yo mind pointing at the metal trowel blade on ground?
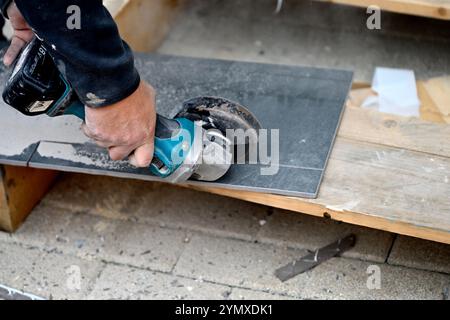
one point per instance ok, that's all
(315, 258)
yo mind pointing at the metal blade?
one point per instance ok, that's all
(223, 114)
(315, 258)
(219, 113)
(216, 157)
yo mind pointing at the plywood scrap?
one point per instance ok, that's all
(438, 92)
(429, 111)
(357, 97)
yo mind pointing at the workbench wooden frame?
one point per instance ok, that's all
(372, 177)
(436, 9)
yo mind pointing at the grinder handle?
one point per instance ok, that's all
(76, 109)
(165, 128)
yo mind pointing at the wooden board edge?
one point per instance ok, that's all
(5, 217)
(144, 24)
(420, 8)
(306, 206)
(115, 6)
(21, 189)
(360, 85)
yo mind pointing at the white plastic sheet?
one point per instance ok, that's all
(397, 92)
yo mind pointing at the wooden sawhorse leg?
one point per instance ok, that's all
(21, 188)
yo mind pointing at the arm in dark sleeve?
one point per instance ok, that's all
(93, 58)
(4, 5)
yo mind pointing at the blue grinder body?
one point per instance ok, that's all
(36, 87)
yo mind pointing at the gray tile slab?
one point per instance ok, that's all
(304, 104)
(87, 158)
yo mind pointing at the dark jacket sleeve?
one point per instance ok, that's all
(3, 6)
(93, 57)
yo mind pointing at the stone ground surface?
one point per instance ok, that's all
(105, 238)
(310, 33)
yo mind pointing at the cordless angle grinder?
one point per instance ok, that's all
(192, 145)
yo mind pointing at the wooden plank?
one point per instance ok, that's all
(429, 111)
(376, 186)
(5, 217)
(396, 131)
(144, 24)
(438, 9)
(115, 6)
(21, 189)
(438, 91)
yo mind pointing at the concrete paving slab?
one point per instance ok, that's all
(96, 237)
(300, 231)
(342, 278)
(420, 254)
(199, 211)
(310, 33)
(157, 203)
(15, 259)
(55, 228)
(240, 264)
(45, 228)
(146, 247)
(251, 266)
(143, 245)
(61, 277)
(117, 282)
(109, 197)
(46, 274)
(245, 294)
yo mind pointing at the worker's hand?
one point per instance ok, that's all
(21, 36)
(126, 126)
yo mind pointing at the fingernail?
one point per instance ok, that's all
(132, 161)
